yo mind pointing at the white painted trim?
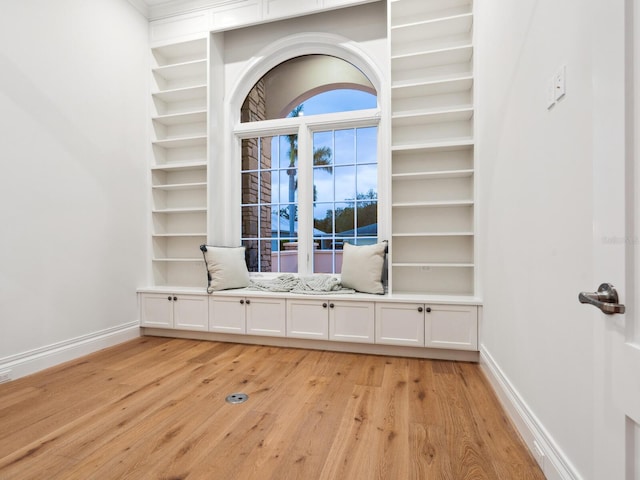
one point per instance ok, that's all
(172, 8)
(32, 361)
(329, 345)
(300, 44)
(372, 297)
(552, 461)
(325, 121)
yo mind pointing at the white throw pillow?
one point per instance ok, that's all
(362, 267)
(226, 266)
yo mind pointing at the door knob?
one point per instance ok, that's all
(606, 299)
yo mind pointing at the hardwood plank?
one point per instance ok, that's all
(122, 356)
(19, 396)
(49, 411)
(310, 436)
(490, 418)
(155, 408)
(463, 442)
(393, 458)
(428, 457)
(360, 433)
(371, 371)
(291, 403)
(242, 440)
(424, 407)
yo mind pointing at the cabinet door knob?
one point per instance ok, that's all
(175, 299)
(331, 305)
(169, 298)
(248, 301)
(420, 309)
(428, 309)
(241, 301)
(324, 305)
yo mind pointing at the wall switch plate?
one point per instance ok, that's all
(560, 82)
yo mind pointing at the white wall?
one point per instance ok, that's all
(73, 202)
(535, 213)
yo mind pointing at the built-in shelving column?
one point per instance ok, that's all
(179, 163)
(432, 147)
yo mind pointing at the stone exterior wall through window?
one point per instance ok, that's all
(256, 187)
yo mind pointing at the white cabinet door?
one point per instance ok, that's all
(400, 324)
(266, 316)
(451, 326)
(352, 321)
(308, 319)
(156, 310)
(226, 314)
(168, 310)
(190, 312)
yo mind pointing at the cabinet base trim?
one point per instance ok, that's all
(334, 346)
(33, 361)
(544, 449)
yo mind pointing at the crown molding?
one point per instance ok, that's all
(158, 9)
(141, 6)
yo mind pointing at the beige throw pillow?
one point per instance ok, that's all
(362, 267)
(226, 266)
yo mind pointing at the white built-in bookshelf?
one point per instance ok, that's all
(179, 162)
(433, 237)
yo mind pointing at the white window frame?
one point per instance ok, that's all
(305, 127)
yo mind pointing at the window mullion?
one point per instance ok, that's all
(305, 199)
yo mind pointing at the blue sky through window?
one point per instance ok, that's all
(343, 100)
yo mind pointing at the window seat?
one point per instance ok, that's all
(358, 296)
(428, 326)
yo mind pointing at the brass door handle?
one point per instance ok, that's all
(606, 299)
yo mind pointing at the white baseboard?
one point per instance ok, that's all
(32, 361)
(551, 459)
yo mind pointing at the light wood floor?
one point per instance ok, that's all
(154, 408)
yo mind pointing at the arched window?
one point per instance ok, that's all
(309, 165)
